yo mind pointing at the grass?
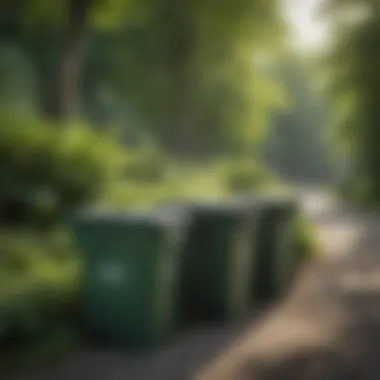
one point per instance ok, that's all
(211, 181)
(195, 186)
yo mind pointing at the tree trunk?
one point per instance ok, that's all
(65, 83)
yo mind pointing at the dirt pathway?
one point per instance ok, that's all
(324, 328)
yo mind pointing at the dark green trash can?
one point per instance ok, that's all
(131, 267)
(216, 268)
(276, 258)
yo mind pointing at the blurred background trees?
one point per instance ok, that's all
(295, 145)
(354, 75)
(197, 81)
(180, 72)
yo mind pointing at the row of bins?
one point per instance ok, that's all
(146, 274)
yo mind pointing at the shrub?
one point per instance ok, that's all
(244, 175)
(47, 170)
(306, 239)
(39, 282)
(359, 192)
(145, 166)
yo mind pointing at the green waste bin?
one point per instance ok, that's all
(216, 267)
(276, 257)
(130, 276)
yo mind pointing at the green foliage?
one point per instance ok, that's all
(306, 238)
(359, 192)
(39, 282)
(17, 81)
(244, 175)
(183, 72)
(39, 290)
(104, 14)
(354, 85)
(188, 75)
(213, 180)
(145, 166)
(46, 170)
(195, 184)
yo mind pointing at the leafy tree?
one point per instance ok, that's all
(54, 34)
(189, 74)
(355, 79)
(182, 72)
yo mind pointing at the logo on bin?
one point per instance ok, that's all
(112, 273)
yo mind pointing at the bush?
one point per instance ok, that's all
(39, 282)
(47, 170)
(244, 175)
(145, 166)
(39, 294)
(360, 193)
(306, 239)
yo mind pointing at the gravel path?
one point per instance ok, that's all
(322, 324)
